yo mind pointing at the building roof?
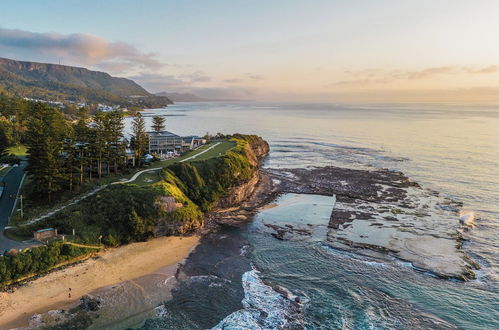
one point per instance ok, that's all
(162, 134)
(42, 230)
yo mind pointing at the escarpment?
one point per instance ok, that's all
(202, 186)
(256, 151)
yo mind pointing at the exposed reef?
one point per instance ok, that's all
(384, 213)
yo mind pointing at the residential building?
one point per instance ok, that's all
(168, 143)
(192, 142)
(164, 142)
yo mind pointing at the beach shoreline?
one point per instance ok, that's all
(145, 265)
(111, 267)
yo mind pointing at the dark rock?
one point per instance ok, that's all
(90, 304)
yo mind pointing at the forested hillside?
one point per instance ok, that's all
(53, 82)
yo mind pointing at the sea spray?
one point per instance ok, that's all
(265, 307)
(467, 219)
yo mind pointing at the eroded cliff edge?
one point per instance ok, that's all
(219, 186)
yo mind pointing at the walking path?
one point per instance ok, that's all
(72, 202)
(98, 247)
(202, 152)
(96, 190)
(90, 193)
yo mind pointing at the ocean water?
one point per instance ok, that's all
(452, 149)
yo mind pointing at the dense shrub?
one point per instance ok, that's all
(120, 213)
(128, 212)
(37, 260)
(205, 182)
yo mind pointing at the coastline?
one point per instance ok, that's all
(112, 267)
(55, 298)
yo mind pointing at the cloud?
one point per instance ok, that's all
(157, 82)
(184, 84)
(376, 76)
(234, 81)
(246, 77)
(425, 73)
(85, 49)
(487, 69)
(196, 77)
(234, 93)
(255, 76)
(359, 82)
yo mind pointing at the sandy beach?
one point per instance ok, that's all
(113, 266)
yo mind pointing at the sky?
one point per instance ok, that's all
(272, 50)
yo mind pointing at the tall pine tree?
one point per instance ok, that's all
(140, 138)
(47, 131)
(158, 123)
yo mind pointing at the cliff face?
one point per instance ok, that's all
(256, 151)
(74, 76)
(55, 82)
(216, 183)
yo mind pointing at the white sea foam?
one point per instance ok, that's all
(244, 250)
(467, 219)
(161, 311)
(350, 255)
(208, 278)
(264, 307)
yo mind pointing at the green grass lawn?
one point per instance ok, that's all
(32, 211)
(153, 177)
(19, 150)
(148, 178)
(219, 150)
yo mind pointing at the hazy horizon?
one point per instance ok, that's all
(325, 51)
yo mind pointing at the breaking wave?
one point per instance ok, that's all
(265, 307)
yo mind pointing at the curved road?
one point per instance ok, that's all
(7, 203)
(13, 181)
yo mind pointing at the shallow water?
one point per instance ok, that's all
(346, 290)
(450, 149)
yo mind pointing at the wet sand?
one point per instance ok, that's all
(114, 266)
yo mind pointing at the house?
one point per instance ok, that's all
(164, 142)
(167, 143)
(192, 142)
(45, 234)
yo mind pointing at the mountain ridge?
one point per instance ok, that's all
(58, 82)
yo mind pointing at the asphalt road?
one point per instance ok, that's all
(7, 202)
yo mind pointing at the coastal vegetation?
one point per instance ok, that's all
(140, 139)
(158, 123)
(205, 181)
(67, 84)
(69, 154)
(63, 156)
(38, 260)
(126, 213)
(65, 153)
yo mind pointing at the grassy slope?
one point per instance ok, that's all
(130, 212)
(34, 209)
(124, 213)
(219, 150)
